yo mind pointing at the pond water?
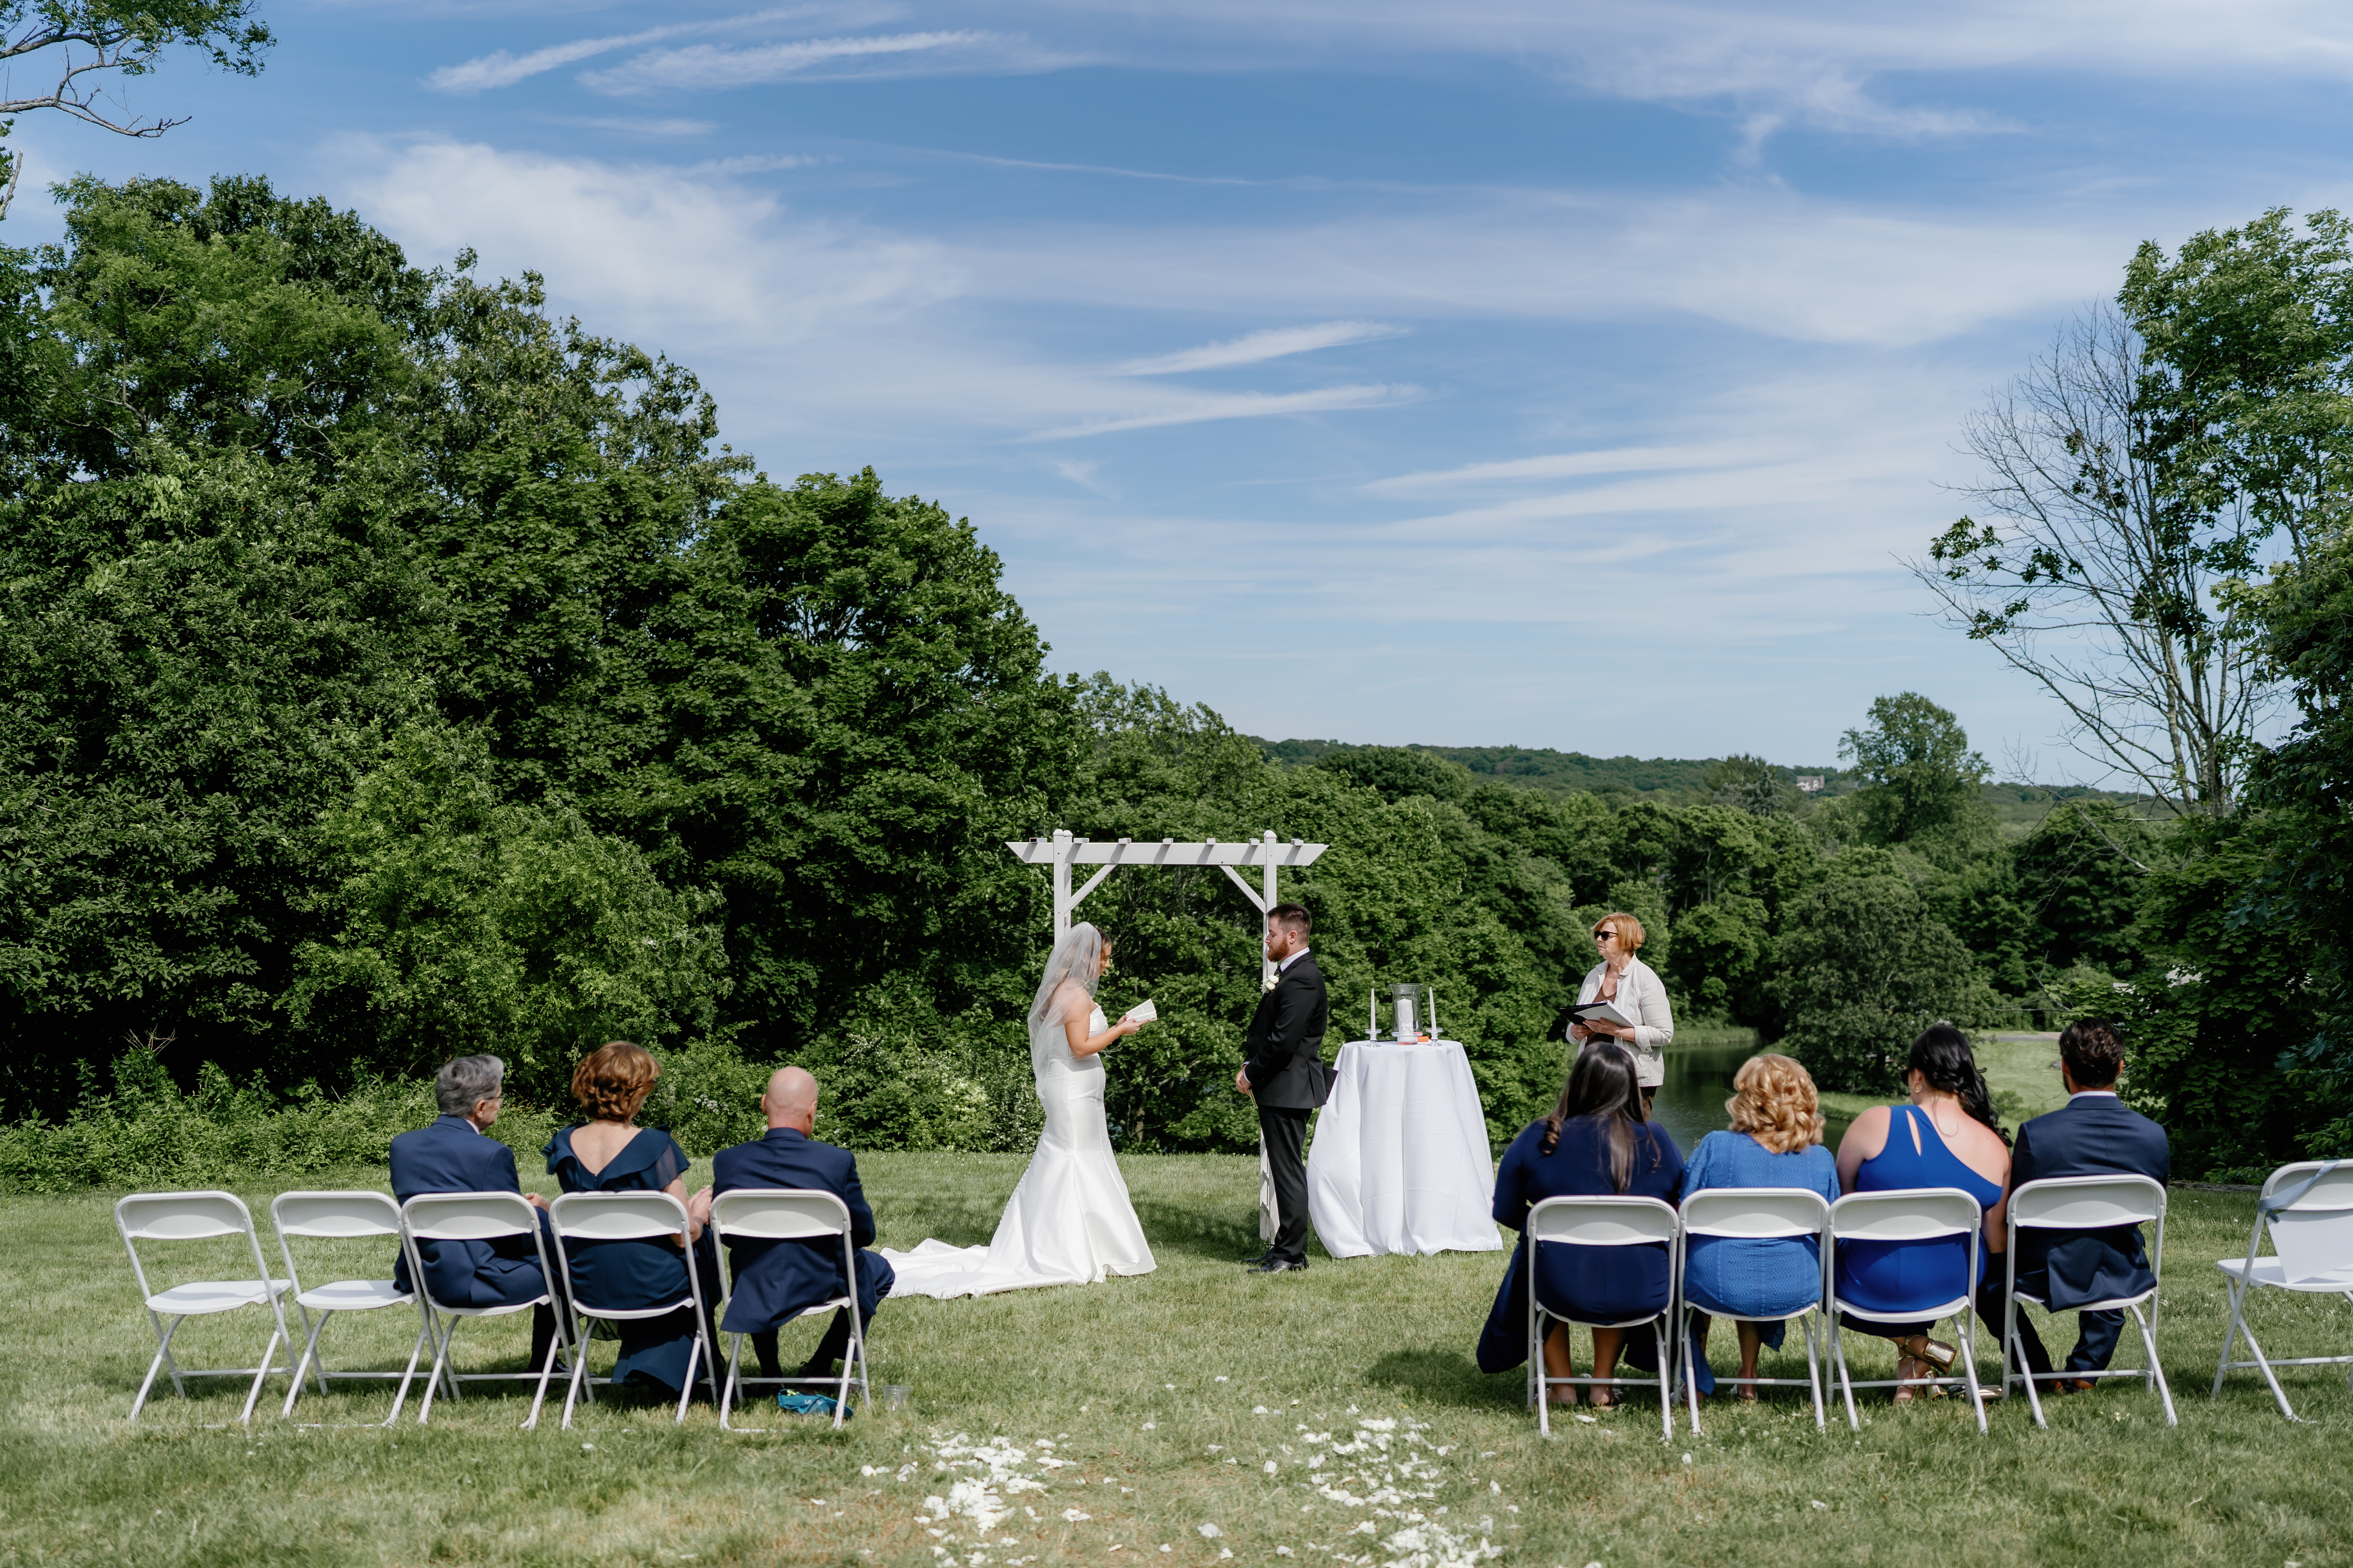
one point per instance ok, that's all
(1690, 1104)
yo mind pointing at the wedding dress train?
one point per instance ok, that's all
(1069, 1221)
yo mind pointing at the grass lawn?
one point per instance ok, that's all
(1190, 1398)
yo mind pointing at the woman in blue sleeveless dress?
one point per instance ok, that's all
(1947, 1137)
(1775, 1141)
(606, 1154)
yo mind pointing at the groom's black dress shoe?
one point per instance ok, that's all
(1277, 1266)
(1254, 1262)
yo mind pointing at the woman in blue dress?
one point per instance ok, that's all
(1775, 1141)
(606, 1154)
(1597, 1140)
(1947, 1137)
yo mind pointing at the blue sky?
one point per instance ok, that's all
(1482, 373)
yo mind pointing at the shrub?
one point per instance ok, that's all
(1863, 969)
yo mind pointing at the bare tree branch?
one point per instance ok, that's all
(83, 39)
(2081, 575)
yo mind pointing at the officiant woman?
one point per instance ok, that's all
(1639, 994)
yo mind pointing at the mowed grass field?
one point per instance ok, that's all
(1127, 1421)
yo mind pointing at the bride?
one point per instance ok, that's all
(1069, 1221)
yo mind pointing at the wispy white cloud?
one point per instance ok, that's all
(1569, 465)
(713, 66)
(1240, 406)
(630, 125)
(1256, 347)
(502, 68)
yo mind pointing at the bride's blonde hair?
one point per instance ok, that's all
(1076, 958)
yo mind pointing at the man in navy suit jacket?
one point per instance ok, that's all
(775, 1280)
(2094, 1134)
(456, 1154)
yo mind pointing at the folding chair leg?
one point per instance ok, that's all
(1690, 1378)
(557, 1341)
(1969, 1365)
(1814, 1375)
(2269, 1377)
(443, 1344)
(253, 1394)
(309, 1355)
(2026, 1373)
(2230, 1338)
(400, 1397)
(572, 1393)
(727, 1393)
(1846, 1380)
(1666, 1395)
(686, 1389)
(163, 1355)
(2148, 1339)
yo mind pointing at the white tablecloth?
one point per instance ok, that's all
(1399, 1162)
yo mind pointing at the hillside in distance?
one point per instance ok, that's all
(1558, 773)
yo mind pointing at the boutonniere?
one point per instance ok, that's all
(1270, 982)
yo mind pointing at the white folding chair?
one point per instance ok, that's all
(1923, 1214)
(199, 1216)
(342, 1216)
(1602, 1221)
(474, 1216)
(628, 1216)
(1756, 1213)
(2077, 1204)
(2308, 1208)
(785, 1214)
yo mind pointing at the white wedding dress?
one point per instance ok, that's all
(1069, 1221)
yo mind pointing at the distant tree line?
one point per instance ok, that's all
(389, 669)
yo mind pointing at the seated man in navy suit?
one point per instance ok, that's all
(455, 1154)
(2094, 1134)
(776, 1280)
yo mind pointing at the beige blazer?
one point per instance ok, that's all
(1643, 995)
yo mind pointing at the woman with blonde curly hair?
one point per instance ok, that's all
(1775, 1141)
(606, 1153)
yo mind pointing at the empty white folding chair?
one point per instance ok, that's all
(784, 1214)
(1601, 1221)
(2061, 1204)
(1756, 1213)
(474, 1216)
(628, 1216)
(342, 1216)
(1925, 1213)
(157, 1217)
(2308, 1208)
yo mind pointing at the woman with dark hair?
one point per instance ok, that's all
(1598, 1139)
(607, 1153)
(1947, 1137)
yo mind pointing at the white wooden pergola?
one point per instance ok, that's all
(1062, 851)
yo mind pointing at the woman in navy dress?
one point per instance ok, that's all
(1775, 1141)
(1947, 1137)
(1597, 1140)
(606, 1154)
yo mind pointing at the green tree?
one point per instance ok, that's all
(1920, 778)
(1754, 785)
(1862, 968)
(473, 924)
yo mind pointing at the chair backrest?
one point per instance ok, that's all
(2087, 1202)
(616, 1217)
(1756, 1213)
(184, 1216)
(779, 1214)
(467, 1216)
(335, 1216)
(2310, 1207)
(181, 1216)
(1602, 1220)
(1919, 1213)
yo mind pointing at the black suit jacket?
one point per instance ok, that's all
(2091, 1136)
(1284, 1052)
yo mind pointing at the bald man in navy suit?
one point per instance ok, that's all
(777, 1280)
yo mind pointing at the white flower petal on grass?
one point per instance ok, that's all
(1210, 1532)
(1270, 1466)
(1221, 1379)
(1074, 1516)
(1257, 1409)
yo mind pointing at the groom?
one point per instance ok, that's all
(1284, 1070)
